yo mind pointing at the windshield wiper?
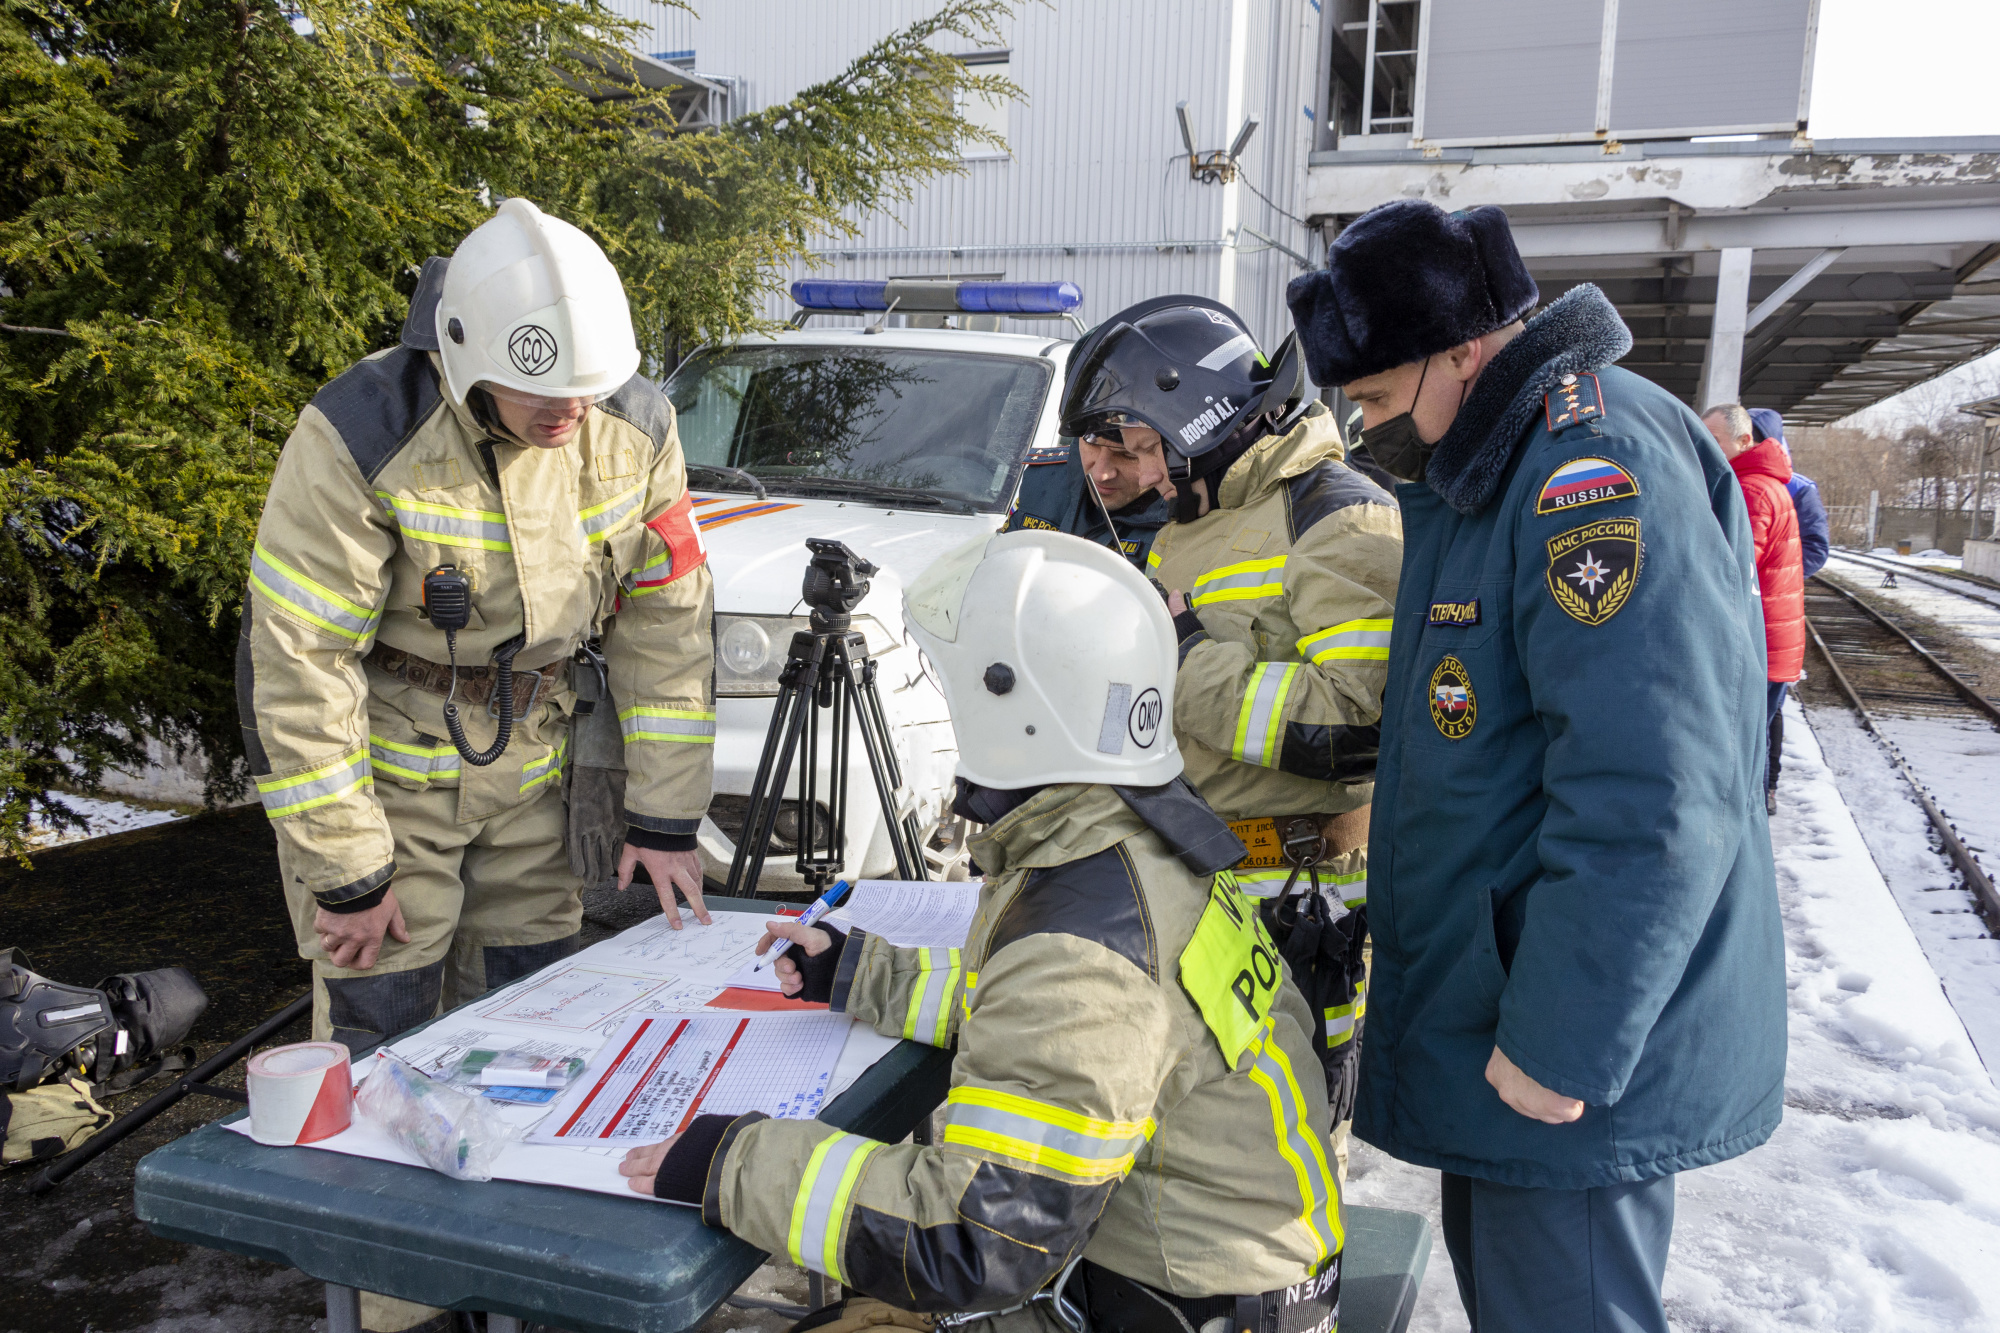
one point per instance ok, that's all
(731, 473)
(909, 495)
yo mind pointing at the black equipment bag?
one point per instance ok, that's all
(1325, 958)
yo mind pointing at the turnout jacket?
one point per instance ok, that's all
(1293, 576)
(1569, 859)
(383, 479)
(1092, 1107)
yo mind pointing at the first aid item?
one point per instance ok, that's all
(821, 905)
(448, 1130)
(300, 1093)
(515, 1069)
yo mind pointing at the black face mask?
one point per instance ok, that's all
(1395, 443)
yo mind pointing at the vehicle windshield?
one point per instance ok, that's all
(898, 426)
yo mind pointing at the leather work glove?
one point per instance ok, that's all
(596, 784)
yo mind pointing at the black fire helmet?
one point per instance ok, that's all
(1185, 366)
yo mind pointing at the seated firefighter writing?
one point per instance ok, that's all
(1136, 1131)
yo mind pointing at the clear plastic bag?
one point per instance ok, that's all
(449, 1130)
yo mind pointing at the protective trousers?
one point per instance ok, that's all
(1584, 1261)
(486, 902)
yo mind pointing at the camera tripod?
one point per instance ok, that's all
(827, 670)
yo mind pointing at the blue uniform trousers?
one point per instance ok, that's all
(1539, 1260)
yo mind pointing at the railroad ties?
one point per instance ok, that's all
(1877, 665)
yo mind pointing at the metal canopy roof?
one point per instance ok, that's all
(1883, 256)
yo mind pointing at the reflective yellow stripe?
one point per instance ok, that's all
(314, 602)
(643, 723)
(322, 786)
(1240, 583)
(1297, 1144)
(965, 996)
(1046, 1135)
(1349, 641)
(549, 766)
(481, 529)
(1152, 559)
(1262, 716)
(600, 521)
(929, 1016)
(819, 1214)
(640, 586)
(1353, 888)
(417, 763)
(1341, 1018)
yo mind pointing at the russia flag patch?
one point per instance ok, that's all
(1585, 481)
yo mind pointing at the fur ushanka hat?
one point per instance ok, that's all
(1405, 281)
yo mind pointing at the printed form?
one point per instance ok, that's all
(660, 1071)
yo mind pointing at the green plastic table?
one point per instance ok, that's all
(579, 1260)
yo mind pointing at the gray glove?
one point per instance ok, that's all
(596, 784)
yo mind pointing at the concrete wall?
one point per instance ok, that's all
(1983, 558)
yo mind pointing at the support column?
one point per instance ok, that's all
(1722, 365)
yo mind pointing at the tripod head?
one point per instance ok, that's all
(836, 581)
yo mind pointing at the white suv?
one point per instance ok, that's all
(904, 443)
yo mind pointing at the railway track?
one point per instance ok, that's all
(1967, 586)
(1879, 666)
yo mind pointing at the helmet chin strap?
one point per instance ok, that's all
(1212, 465)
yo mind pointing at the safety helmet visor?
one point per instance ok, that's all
(538, 402)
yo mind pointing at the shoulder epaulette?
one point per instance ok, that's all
(640, 403)
(1577, 398)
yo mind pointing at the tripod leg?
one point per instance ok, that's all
(760, 817)
(858, 683)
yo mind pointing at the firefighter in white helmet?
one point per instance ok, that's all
(504, 469)
(1136, 1128)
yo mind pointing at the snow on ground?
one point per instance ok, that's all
(1978, 621)
(105, 816)
(1876, 1205)
(1965, 958)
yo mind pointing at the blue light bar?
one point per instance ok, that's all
(935, 296)
(835, 294)
(1019, 298)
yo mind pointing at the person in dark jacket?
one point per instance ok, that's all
(1764, 469)
(1057, 488)
(1815, 531)
(1579, 984)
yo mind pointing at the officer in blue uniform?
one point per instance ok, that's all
(1055, 496)
(1579, 983)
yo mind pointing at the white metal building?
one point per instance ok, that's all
(1097, 187)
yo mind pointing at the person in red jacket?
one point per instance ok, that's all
(1762, 470)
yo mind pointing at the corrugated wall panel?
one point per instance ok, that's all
(1096, 161)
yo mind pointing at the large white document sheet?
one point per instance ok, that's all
(575, 1006)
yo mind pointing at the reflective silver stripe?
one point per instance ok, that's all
(600, 520)
(1228, 352)
(1048, 1136)
(300, 595)
(1235, 583)
(548, 766)
(643, 723)
(1263, 883)
(481, 529)
(1351, 889)
(1351, 640)
(416, 763)
(1341, 1018)
(821, 1206)
(321, 786)
(1263, 713)
(929, 1016)
(1296, 1143)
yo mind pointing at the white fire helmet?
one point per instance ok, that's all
(531, 305)
(1057, 659)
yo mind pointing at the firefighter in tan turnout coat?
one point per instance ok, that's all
(1134, 1084)
(508, 443)
(1281, 564)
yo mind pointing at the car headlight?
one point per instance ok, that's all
(750, 652)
